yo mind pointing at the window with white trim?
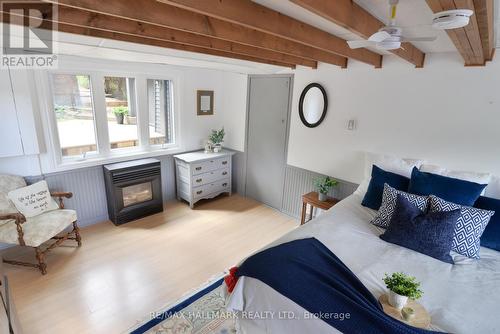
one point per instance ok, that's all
(160, 111)
(100, 116)
(74, 114)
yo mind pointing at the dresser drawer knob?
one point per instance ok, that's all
(199, 192)
(198, 168)
(224, 162)
(224, 184)
(224, 173)
(199, 180)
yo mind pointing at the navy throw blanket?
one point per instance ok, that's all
(309, 274)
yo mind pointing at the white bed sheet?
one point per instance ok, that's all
(461, 298)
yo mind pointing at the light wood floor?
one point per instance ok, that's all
(120, 274)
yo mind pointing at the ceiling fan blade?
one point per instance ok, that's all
(379, 36)
(360, 44)
(418, 39)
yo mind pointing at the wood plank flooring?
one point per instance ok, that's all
(121, 274)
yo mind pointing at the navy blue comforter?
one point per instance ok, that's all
(309, 274)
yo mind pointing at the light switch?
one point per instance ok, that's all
(351, 125)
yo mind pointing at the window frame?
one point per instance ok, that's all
(174, 115)
(53, 160)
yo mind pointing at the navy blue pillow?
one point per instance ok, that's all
(450, 189)
(373, 196)
(491, 235)
(427, 233)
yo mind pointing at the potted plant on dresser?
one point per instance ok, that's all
(217, 138)
(323, 185)
(401, 287)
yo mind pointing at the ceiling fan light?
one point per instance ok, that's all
(451, 19)
(389, 45)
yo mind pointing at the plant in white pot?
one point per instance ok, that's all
(323, 185)
(401, 287)
(216, 138)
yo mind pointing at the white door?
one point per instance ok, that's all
(269, 99)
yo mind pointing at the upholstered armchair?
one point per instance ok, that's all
(34, 232)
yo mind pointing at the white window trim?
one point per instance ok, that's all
(52, 160)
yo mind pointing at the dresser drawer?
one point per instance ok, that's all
(209, 165)
(201, 179)
(211, 188)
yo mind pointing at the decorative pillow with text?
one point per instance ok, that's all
(33, 200)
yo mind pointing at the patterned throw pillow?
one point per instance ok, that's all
(388, 206)
(470, 225)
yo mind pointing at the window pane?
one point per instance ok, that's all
(74, 111)
(121, 112)
(160, 95)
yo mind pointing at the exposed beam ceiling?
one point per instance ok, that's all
(108, 34)
(159, 14)
(354, 18)
(81, 18)
(255, 16)
(472, 40)
(484, 14)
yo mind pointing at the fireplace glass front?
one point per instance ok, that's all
(137, 193)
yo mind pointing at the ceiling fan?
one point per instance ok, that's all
(389, 37)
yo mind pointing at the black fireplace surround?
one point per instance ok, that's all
(133, 189)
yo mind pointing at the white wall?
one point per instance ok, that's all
(229, 106)
(230, 93)
(445, 113)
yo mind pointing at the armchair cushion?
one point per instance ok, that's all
(38, 229)
(7, 184)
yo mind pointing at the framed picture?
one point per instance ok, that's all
(205, 102)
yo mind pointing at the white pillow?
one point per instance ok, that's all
(390, 164)
(481, 178)
(493, 188)
(33, 200)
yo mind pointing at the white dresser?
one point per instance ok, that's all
(202, 175)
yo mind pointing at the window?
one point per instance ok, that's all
(97, 116)
(160, 97)
(74, 111)
(121, 113)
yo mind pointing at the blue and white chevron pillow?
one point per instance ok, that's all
(470, 226)
(389, 198)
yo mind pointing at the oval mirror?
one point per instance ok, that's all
(312, 105)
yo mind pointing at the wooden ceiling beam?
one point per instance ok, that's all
(354, 18)
(256, 16)
(159, 14)
(86, 19)
(484, 14)
(467, 40)
(92, 32)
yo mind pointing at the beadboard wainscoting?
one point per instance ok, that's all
(89, 193)
(300, 181)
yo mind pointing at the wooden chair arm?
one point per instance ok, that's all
(61, 195)
(17, 216)
(18, 219)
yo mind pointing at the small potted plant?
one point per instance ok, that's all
(323, 185)
(120, 112)
(401, 287)
(216, 138)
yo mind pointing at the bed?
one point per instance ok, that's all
(461, 298)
